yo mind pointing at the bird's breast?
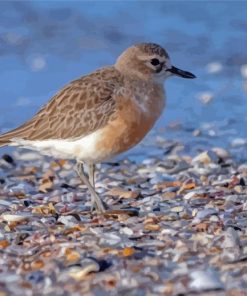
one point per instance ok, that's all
(134, 119)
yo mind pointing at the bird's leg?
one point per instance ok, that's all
(96, 201)
(91, 170)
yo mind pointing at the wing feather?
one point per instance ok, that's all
(81, 107)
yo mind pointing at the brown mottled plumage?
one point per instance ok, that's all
(79, 108)
(102, 114)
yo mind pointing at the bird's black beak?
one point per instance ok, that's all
(181, 73)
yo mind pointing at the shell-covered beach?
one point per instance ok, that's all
(183, 232)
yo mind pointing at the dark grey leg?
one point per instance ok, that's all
(91, 170)
(96, 201)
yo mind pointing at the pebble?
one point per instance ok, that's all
(87, 266)
(107, 238)
(220, 152)
(68, 221)
(204, 214)
(205, 280)
(214, 218)
(5, 165)
(177, 209)
(35, 277)
(15, 218)
(190, 195)
(181, 166)
(126, 230)
(231, 239)
(22, 187)
(205, 157)
(158, 178)
(5, 203)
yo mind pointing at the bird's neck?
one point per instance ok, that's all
(148, 94)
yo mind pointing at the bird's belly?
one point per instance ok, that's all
(84, 148)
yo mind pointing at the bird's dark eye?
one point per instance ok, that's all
(155, 62)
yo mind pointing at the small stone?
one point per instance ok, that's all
(36, 277)
(181, 166)
(8, 158)
(220, 152)
(126, 230)
(22, 187)
(15, 217)
(160, 178)
(168, 195)
(177, 209)
(203, 214)
(152, 227)
(128, 252)
(205, 157)
(37, 264)
(186, 213)
(5, 203)
(68, 221)
(149, 161)
(88, 266)
(4, 244)
(123, 193)
(108, 239)
(166, 184)
(205, 280)
(231, 238)
(169, 231)
(214, 218)
(5, 162)
(72, 256)
(190, 195)
(238, 189)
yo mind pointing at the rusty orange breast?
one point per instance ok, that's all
(130, 125)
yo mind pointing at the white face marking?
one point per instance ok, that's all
(168, 64)
(148, 60)
(164, 74)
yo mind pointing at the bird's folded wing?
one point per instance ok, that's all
(81, 107)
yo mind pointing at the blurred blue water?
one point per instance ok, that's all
(45, 44)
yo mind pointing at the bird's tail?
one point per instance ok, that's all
(20, 132)
(4, 140)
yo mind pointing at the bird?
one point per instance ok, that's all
(100, 115)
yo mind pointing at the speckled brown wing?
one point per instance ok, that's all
(80, 108)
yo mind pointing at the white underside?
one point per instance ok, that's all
(83, 149)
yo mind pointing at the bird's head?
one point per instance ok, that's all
(148, 61)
